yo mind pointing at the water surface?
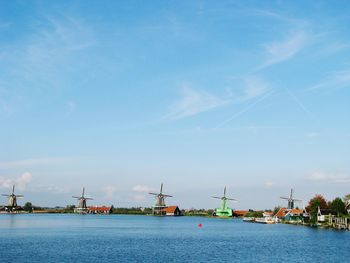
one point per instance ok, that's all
(118, 238)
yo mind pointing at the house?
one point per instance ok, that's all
(172, 211)
(290, 215)
(267, 214)
(325, 215)
(100, 209)
(239, 213)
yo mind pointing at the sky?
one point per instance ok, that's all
(121, 96)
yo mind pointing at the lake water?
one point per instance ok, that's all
(118, 238)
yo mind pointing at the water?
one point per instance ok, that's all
(117, 238)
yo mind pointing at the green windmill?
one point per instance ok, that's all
(224, 210)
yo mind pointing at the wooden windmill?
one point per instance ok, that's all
(159, 207)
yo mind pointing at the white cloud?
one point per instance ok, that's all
(246, 109)
(254, 87)
(110, 191)
(194, 102)
(338, 79)
(286, 49)
(20, 182)
(329, 177)
(312, 134)
(142, 188)
(269, 184)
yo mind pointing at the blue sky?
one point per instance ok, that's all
(121, 96)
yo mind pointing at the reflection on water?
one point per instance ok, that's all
(93, 238)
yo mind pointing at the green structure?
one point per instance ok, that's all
(224, 210)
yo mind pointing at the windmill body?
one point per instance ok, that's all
(82, 206)
(223, 210)
(12, 206)
(291, 200)
(160, 206)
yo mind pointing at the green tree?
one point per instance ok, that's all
(337, 205)
(314, 203)
(28, 207)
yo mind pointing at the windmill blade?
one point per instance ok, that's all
(152, 194)
(297, 200)
(161, 188)
(232, 199)
(225, 191)
(167, 195)
(216, 197)
(88, 198)
(76, 197)
(19, 195)
(5, 195)
(282, 197)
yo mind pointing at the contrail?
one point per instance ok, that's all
(245, 109)
(301, 105)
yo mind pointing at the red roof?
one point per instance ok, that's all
(170, 209)
(296, 211)
(282, 212)
(240, 212)
(100, 208)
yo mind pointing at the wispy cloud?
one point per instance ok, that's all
(48, 53)
(329, 177)
(32, 162)
(138, 197)
(312, 134)
(286, 49)
(338, 79)
(142, 188)
(194, 102)
(110, 191)
(254, 87)
(71, 107)
(269, 184)
(20, 182)
(245, 110)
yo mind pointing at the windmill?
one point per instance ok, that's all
(290, 199)
(12, 205)
(159, 207)
(81, 208)
(224, 210)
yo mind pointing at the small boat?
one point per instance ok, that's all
(248, 219)
(265, 220)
